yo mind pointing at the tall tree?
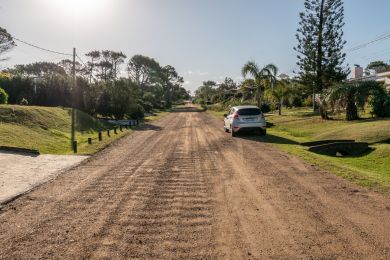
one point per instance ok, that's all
(261, 78)
(142, 69)
(281, 91)
(94, 55)
(320, 45)
(6, 42)
(171, 82)
(38, 69)
(117, 58)
(378, 66)
(206, 93)
(227, 89)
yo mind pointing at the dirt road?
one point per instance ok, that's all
(183, 189)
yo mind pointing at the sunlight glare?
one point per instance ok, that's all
(82, 7)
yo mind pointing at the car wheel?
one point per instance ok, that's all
(232, 132)
(225, 129)
(262, 132)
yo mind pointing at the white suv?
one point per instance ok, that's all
(245, 118)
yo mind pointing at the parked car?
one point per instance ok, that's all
(245, 118)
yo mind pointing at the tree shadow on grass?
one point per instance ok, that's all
(266, 139)
(385, 141)
(347, 154)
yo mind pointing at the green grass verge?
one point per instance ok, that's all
(47, 129)
(301, 125)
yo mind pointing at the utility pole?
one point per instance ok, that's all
(73, 100)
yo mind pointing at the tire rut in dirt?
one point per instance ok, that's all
(169, 215)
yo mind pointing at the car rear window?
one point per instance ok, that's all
(249, 112)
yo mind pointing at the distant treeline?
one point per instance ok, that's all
(101, 87)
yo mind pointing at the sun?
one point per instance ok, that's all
(81, 6)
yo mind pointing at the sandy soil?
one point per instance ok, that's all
(20, 173)
(183, 189)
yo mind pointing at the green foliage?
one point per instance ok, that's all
(378, 66)
(380, 103)
(135, 111)
(320, 46)
(320, 43)
(24, 102)
(352, 96)
(205, 95)
(308, 102)
(300, 125)
(97, 91)
(6, 42)
(3, 96)
(48, 129)
(39, 69)
(261, 78)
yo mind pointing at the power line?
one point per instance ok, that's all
(363, 45)
(78, 57)
(38, 47)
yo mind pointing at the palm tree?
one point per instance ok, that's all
(261, 78)
(352, 96)
(281, 91)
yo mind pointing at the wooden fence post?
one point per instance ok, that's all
(100, 136)
(89, 140)
(115, 132)
(108, 132)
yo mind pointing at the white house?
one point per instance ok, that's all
(358, 75)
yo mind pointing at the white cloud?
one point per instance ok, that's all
(202, 73)
(187, 82)
(196, 73)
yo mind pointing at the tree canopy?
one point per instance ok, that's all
(320, 44)
(6, 43)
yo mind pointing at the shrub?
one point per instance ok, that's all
(24, 102)
(3, 96)
(380, 104)
(308, 102)
(148, 107)
(296, 101)
(265, 108)
(135, 111)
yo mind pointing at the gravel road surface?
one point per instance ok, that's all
(181, 188)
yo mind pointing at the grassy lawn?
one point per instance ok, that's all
(371, 169)
(47, 129)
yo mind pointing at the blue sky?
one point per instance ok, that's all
(203, 39)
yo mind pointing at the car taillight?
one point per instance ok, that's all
(235, 116)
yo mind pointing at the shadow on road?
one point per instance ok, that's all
(187, 110)
(148, 127)
(266, 139)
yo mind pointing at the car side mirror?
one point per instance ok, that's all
(225, 115)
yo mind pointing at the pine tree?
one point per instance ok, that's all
(6, 42)
(320, 45)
